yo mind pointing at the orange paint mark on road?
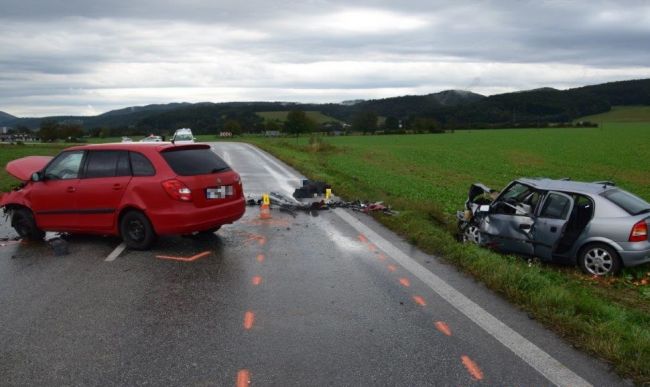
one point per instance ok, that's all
(249, 320)
(405, 282)
(269, 222)
(443, 327)
(243, 378)
(381, 257)
(392, 268)
(472, 368)
(252, 238)
(256, 280)
(419, 300)
(363, 239)
(184, 259)
(260, 258)
(372, 248)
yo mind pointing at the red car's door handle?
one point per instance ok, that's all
(117, 187)
(71, 189)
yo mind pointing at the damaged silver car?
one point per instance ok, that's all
(597, 226)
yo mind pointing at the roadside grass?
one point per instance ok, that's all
(10, 152)
(426, 178)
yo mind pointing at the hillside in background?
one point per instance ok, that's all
(281, 115)
(6, 117)
(449, 109)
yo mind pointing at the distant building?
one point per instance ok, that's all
(4, 129)
(272, 133)
(225, 134)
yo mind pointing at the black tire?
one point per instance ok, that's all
(22, 220)
(599, 259)
(136, 230)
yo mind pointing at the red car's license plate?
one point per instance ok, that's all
(219, 192)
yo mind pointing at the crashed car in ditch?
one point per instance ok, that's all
(134, 190)
(597, 226)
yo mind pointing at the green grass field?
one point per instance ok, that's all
(426, 178)
(316, 116)
(620, 114)
(12, 152)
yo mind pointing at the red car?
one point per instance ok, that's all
(134, 190)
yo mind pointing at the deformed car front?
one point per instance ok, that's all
(596, 225)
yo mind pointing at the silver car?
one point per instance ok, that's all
(600, 227)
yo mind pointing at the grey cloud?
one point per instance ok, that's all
(50, 47)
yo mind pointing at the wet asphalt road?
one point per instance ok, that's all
(286, 301)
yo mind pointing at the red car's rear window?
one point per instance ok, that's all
(192, 161)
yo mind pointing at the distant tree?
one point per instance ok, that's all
(426, 125)
(391, 124)
(49, 130)
(365, 121)
(232, 126)
(70, 131)
(272, 125)
(298, 122)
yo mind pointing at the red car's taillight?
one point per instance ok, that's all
(639, 232)
(177, 190)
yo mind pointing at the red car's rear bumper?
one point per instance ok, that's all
(197, 219)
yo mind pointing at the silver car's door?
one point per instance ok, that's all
(508, 233)
(551, 223)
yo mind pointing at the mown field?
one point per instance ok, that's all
(621, 114)
(12, 152)
(426, 178)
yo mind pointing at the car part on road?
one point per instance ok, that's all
(60, 246)
(291, 206)
(311, 189)
(597, 226)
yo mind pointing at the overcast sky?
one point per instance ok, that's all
(86, 57)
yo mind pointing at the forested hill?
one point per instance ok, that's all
(455, 108)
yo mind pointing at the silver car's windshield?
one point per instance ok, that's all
(627, 201)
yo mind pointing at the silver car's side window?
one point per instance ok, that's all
(556, 207)
(65, 166)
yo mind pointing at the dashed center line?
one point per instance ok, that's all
(249, 320)
(419, 300)
(243, 378)
(443, 328)
(472, 368)
(405, 282)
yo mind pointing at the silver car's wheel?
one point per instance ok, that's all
(599, 259)
(471, 235)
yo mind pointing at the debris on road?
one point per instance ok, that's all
(292, 206)
(59, 246)
(311, 189)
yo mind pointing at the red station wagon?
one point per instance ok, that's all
(134, 190)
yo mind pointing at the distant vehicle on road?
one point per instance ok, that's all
(183, 136)
(600, 227)
(151, 138)
(133, 190)
(126, 139)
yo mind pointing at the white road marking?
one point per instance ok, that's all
(116, 253)
(546, 365)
